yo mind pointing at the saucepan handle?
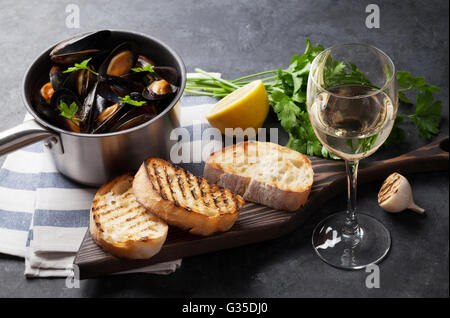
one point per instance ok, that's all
(22, 135)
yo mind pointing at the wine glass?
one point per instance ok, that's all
(352, 101)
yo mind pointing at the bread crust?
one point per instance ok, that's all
(253, 190)
(143, 248)
(186, 218)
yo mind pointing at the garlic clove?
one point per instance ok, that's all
(396, 195)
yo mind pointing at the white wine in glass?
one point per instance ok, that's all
(352, 104)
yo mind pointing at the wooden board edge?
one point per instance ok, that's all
(234, 239)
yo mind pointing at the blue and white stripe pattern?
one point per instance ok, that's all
(44, 216)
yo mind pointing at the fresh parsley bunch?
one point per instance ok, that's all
(287, 95)
(288, 99)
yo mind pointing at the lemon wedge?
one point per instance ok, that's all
(246, 107)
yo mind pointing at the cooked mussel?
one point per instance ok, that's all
(57, 77)
(107, 113)
(142, 76)
(120, 61)
(84, 81)
(80, 81)
(143, 61)
(114, 116)
(79, 47)
(133, 117)
(157, 90)
(106, 94)
(120, 86)
(109, 117)
(112, 86)
(168, 73)
(67, 97)
(47, 92)
(133, 121)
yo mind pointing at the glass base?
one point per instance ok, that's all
(369, 245)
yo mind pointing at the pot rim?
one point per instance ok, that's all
(175, 100)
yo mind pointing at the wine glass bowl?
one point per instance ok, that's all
(352, 101)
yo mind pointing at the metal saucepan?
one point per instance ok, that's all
(93, 159)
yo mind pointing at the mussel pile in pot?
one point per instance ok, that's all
(95, 87)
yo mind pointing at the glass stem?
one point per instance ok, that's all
(351, 225)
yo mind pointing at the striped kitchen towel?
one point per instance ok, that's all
(44, 216)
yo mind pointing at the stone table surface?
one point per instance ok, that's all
(239, 38)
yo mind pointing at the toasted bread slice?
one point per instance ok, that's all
(184, 200)
(121, 226)
(262, 172)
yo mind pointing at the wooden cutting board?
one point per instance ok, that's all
(258, 223)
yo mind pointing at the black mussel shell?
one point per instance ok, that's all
(85, 80)
(138, 77)
(133, 122)
(68, 97)
(122, 115)
(86, 113)
(168, 73)
(80, 81)
(47, 112)
(143, 61)
(65, 95)
(133, 117)
(101, 103)
(105, 91)
(139, 98)
(121, 85)
(143, 77)
(79, 47)
(110, 121)
(57, 77)
(120, 61)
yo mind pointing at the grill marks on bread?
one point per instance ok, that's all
(188, 191)
(121, 225)
(121, 218)
(185, 200)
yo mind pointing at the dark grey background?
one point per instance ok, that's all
(239, 38)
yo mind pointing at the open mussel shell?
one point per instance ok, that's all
(158, 90)
(143, 61)
(133, 122)
(138, 77)
(120, 86)
(68, 97)
(133, 117)
(107, 94)
(84, 82)
(119, 115)
(143, 77)
(120, 61)
(108, 118)
(78, 47)
(80, 81)
(64, 95)
(168, 73)
(57, 77)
